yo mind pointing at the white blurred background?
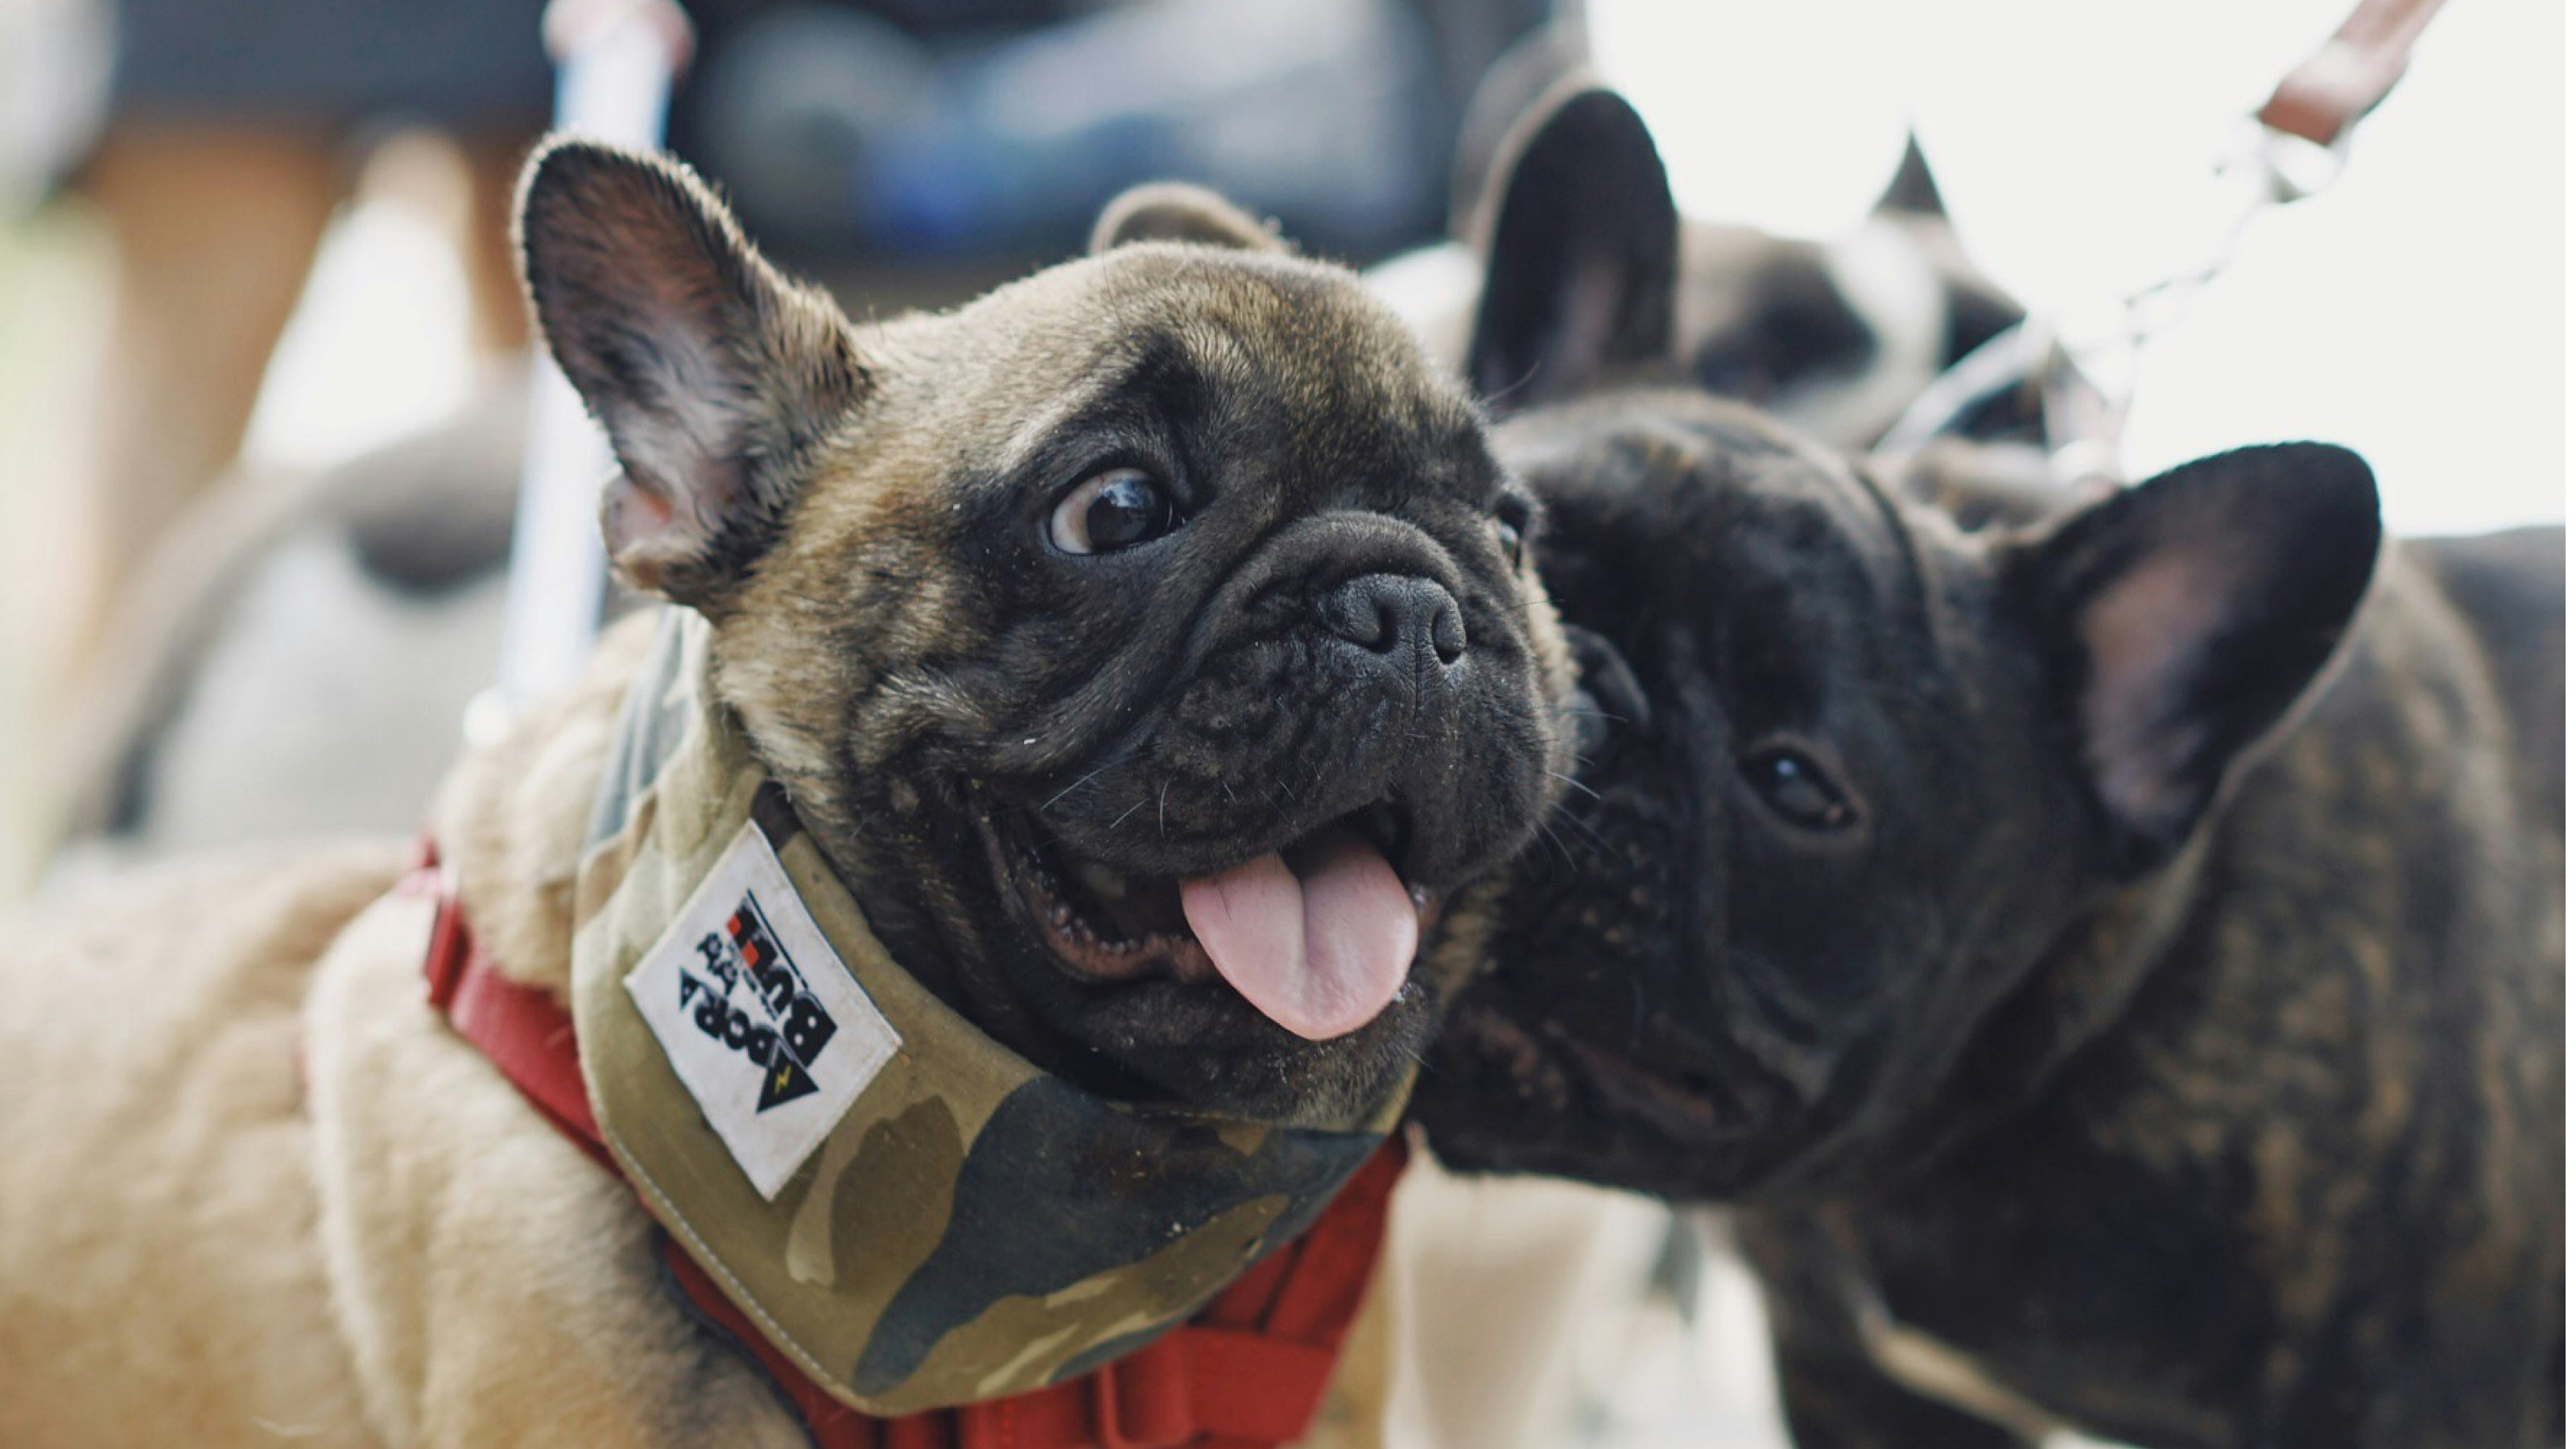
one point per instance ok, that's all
(2415, 311)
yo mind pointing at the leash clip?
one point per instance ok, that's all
(450, 945)
(2286, 166)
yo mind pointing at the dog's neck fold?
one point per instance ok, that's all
(2083, 982)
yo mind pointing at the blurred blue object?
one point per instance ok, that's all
(458, 63)
(834, 127)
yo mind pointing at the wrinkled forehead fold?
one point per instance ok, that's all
(1096, 386)
(1317, 343)
(1241, 346)
(1756, 503)
(1827, 609)
(1841, 527)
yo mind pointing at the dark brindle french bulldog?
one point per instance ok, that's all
(2116, 960)
(1146, 645)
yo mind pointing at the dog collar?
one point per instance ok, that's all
(910, 1214)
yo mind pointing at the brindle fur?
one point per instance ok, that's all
(861, 512)
(2176, 1042)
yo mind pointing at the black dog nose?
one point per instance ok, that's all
(1396, 613)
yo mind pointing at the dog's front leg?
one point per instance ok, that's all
(496, 1288)
(1834, 1394)
(1834, 1397)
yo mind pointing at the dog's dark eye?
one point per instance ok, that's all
(1798, 790)
(1110, 511)
(1511, 527)
(1731, 372)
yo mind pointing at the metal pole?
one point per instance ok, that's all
(615, 62)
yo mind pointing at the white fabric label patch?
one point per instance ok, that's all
(768, 1030)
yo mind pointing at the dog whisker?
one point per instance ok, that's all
(1592, 837)
(1069, 789)
(1548, 834)
(1524, 380)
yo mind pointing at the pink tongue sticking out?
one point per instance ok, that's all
(1320, 953)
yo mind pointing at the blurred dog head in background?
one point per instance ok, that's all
(1833, 337)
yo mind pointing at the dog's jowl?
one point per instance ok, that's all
(1124, 683)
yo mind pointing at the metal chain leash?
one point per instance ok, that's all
(2083, 365)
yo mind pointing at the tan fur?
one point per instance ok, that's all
(257, 1192)
(159, 1272)
(354, 1233)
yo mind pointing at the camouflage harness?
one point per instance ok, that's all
(967, 1230)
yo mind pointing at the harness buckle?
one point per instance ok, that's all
(451, 945)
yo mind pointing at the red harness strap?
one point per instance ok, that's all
(1248, 1372)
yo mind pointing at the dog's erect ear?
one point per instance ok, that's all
(713, 375)
(2184, 619)
(1179, 212)
(1911, 188)
(1977, 309)
(1582, 253)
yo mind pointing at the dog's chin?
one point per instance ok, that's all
(1105, 961)
(1204, 1048)
(1502, 1095)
